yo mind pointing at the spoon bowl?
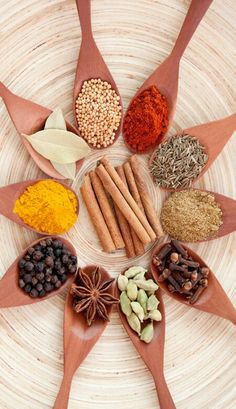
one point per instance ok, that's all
(79, 339)
(9, 194)
(11, 295)
(166, 76)
(211, 135)
(29, 118)
(91, 64)
(213, 299)
(153, 353)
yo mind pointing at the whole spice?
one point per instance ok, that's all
(91, 295)
(178, 161)
(139, 306)
(48, 207)
(189, 281)
(44, 267)
(191, 215)
(146, 121)
(98, 113)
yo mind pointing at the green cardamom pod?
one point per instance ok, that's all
(140, 276)
(125, 304)
(134, 323)
(122, 282)
(152, 303)
(155, 315)
(142, 299)
(137, 308)
(147, 333)
(147, 285)
(132, 290)
(133, 271)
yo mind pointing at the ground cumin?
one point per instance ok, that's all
(48, 207)
(191, 215)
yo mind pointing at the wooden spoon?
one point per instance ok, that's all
(9, 194)
(11, 295)
(79, 339)
(153, 353)
(228, 208)
(166, 76)
(91, 64)
(213, 136)
(29, 118)
(213, 299)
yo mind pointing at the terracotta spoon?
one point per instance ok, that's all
(166, 76)
(213, 299)
(11, 295)
(213, 136)
(228, 208)
(153, 353)
(8, 196)
(90, 63)
(28, 118)
(79, 339)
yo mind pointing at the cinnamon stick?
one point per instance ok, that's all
(128, 197)
(106, 209)
(138, 245)
(120, 201)
(126, 232)
(145, 197)
(132, 185)
(96, 216)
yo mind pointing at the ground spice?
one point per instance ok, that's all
(146, 121)
(191, 215)
(48, 207)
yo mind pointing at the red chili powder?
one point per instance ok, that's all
(146, 121)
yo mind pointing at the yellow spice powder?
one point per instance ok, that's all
(47, 206)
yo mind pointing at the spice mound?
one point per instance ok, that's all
(191, 215)
(98, 113)
(181, 273)
(45, 267)
(139, 302)
(92, 295)
(178, 161)
(47, 206)
(146, 121)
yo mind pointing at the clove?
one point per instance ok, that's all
(175, 267)
(189, 263)
(164, 251)
(179, 248)
(165, 274)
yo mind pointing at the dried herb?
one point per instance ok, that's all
(178, 161)
(191, 215)
(91, 295)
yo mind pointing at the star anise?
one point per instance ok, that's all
(91, 295)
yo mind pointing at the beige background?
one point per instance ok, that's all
(39, 42)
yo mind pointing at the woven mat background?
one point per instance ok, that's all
(39, 43)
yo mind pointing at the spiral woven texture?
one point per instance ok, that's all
(39, 44)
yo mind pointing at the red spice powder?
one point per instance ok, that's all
(146, 121)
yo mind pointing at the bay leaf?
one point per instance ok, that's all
(68, 170)
(58, 145)
(56, 120)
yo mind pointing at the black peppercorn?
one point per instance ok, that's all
(42, 293)
(55, 244)
(43, 243)
(29, 266)
(54, 279)
(22, 263)
(40, 276)
(48, 287)
(57, 265)
(57, 252)
(27, 288)
(27, 257)
(48, 278)
(72, 269)
(31, 250)
(39, 287)
(27, 278)
(61, 271)
(21, 283)
(39, 267)
(37, 255)
(49, 261)
(65, 259)
(34, 281)
(73, 259)
(58, 284)
(63, 278)
(49, 242)
(34, 293)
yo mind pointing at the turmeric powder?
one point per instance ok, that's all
(47, 206)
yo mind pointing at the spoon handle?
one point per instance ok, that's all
(84, 11)
(64, 392)
(164, 396)
(195, 14)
